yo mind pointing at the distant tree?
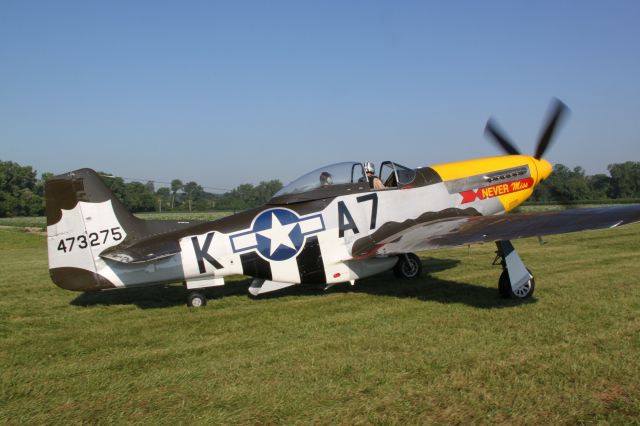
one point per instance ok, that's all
(563, 185)
(193, 192)
(18, 194)
(247, 196)
(163, 196)
(599, 186)
(625, 180)
(176, 185)
(265, 190)
(138, 198)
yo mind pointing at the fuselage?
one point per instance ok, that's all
(322, 234)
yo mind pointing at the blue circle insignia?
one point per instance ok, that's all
(278, 234)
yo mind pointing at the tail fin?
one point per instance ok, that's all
(84, 218)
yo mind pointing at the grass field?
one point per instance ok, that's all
(442, 349)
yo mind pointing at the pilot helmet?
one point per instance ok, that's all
(369, 167)
(325, 178)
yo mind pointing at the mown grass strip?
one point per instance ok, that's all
(441, 349)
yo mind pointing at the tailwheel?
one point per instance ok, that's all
(408, 267)
(196, 300)
(523, 292)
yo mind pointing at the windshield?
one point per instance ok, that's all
(335, 174)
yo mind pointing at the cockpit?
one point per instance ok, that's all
(342, 178)
(393, 175)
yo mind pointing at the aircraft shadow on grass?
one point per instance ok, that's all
(426, 288)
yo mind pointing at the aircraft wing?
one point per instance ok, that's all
(418, 235)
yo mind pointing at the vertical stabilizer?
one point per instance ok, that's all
(83, 218)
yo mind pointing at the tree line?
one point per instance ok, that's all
(22, 191)
(567, 185)
(189, 196)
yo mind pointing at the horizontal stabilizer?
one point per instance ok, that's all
(142, 252)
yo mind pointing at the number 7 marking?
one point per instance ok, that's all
(373, 197)
(71, 241)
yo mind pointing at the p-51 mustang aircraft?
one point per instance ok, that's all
(333, 225)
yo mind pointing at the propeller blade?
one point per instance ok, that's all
(492, 129)
(558, 112)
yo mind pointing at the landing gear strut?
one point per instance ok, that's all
(194, 286)
(408, 267)
(516, 280)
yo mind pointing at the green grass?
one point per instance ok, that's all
(24, 222)
(441, 349)
(184, 215)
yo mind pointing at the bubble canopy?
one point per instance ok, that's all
(347, 172)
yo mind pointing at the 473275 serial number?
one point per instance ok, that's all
(94, 239)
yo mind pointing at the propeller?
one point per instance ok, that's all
(500, 138)
(557, 113)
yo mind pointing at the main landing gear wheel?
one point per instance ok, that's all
(408, 267)
(513, 269)
(196, 300)
(524, 292)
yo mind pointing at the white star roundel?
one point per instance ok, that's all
(277, 234)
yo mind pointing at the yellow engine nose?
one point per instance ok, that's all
(544, 169)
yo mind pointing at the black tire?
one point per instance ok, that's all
(409, 267)
(504, 287)
(196, 300)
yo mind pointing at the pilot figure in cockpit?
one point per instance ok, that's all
(326, 179)
(374, 181)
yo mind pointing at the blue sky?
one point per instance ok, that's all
(225, 93)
